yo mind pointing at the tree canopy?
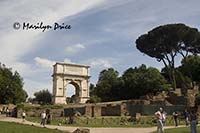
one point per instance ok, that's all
(182, 81)
(166, 42)
(108, 85)
(43, 97)
(190, 67)
(135, 82)
(141, 80)
(11, 86)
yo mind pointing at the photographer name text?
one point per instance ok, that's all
(41, 26)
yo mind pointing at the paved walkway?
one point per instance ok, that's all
(92, 130)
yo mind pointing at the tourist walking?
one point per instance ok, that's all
(1, 111)
(175, 115)
(158, 116)
(23, 116)
(163, 113)
(193, 122)
(186, 117)
(7, 112)
(48, 117)
(43, 118)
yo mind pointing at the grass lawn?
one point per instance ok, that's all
(115, 121)
(179, 130)
(95, 122)
(9, 127)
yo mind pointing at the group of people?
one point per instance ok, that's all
(189, 118)
(45, 117)
(5, 110)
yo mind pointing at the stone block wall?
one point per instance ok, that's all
(130, 108)
(111, 110)
(97, 111)
(70, 111)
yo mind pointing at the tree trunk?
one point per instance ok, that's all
(171, 74)
(173, 78)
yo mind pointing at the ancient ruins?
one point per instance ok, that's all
(77, 75)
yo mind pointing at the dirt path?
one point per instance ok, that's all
(92, 130)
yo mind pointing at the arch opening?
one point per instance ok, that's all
(72, 93)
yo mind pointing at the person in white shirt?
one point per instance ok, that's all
(43, 118)
(160, 128)
(23, 116)
(163, 113)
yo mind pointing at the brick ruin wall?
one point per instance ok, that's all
(129, 108)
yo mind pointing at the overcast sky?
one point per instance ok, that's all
(102, 34)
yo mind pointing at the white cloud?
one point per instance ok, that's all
(32, 12)
(67, 60)
(22, 68)
(81, 46)
(15, 44)
(73, 49)
(45, 63)
(100, 63)
(37, 85)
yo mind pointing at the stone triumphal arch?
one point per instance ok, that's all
(77, 75)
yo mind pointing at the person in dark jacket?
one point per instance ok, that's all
(186, 117)
(175, 115)
(193, 122)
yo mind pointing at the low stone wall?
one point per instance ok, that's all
(111, 110)
(121, 109)
(70, 111)
(151, 109)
